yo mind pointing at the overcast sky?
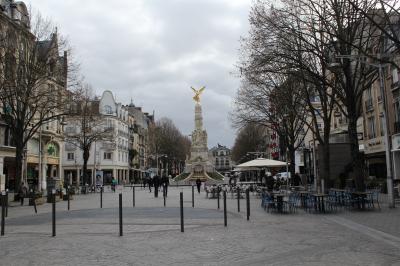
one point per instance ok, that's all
(153, 50)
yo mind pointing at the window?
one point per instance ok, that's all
(70, 156)
(382, 131)
(107, 156)
(397, 112)
(369, 93)
(371, 127)
(108, 110)
(395, 75)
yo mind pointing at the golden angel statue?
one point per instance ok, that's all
(196, 97)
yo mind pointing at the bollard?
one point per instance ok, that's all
(68, 198)
(34, 200)
(225, 217)
(238, 199)
(181, 204)
(133, 196)
(192, 196)
(3, 211)
(6, 202)
(120, 214)
(218, 196)
(54, 212)
(248, 203)
(164, 188)
(101, 197)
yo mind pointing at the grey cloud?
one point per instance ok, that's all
(154, 50)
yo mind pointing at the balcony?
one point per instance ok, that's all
(108, 146)
(369, 105)
(396, 127)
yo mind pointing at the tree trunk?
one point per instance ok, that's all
(85, 160)
(325, 170)
(19, 151)
(292, 161)
(355, 154)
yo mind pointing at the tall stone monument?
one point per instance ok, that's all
(198, 164)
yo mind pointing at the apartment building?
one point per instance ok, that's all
(109, 157)
(41, 159)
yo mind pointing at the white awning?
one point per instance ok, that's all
(261, 162)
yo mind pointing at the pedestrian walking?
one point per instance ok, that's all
(165, 184)
(113, 184)
(22, 193)
(156, 183)
(150, 182)
(198, 184)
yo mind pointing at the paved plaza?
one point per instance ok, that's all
(88, 235)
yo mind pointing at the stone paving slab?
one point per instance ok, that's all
(89, 236)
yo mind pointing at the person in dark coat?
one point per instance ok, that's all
(156, 183)
(150, 182)
(198, 184)
(270, 182)
(296, 180)
(22, 192)
(165, 184)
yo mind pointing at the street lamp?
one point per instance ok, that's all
(385, 121)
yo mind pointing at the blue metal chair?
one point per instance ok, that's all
(267, 201)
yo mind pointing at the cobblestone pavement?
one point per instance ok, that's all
(88, 235)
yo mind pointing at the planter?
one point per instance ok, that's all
(65, 197)
(49, 199)
(39, 201)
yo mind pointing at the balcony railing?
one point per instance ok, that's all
(108, 146)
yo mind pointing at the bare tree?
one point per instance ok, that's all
(250, 138)
(33, 79)
(300, 39)
(283, 41)
(273, 101)
(85, 125)
(166, 140)
(384, 15)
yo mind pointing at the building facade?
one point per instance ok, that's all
(41, 159)
(222, 158)
(109, 158)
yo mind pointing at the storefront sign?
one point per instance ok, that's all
(53, 161)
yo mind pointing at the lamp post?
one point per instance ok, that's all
(389, 179)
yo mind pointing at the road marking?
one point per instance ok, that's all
(371, 232)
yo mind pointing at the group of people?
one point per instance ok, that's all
(157, 182)
(272, 184)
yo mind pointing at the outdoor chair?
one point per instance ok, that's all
(309, 203)
(293, 202)
(267, 202)
(349, 200)
(332, 201)
(372, 198)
